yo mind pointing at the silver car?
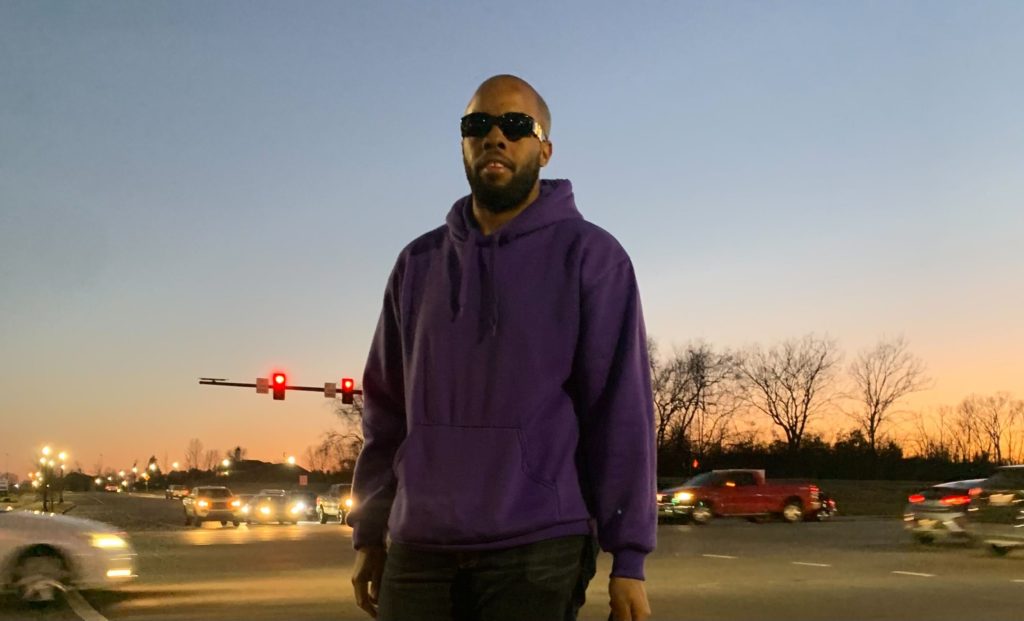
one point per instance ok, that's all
(939, 512)
(43, 553)
(995, 516)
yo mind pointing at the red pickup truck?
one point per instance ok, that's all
(745, 493)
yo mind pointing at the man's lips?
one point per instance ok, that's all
(494, 165)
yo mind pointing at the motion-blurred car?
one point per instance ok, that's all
(43, 553)
(270, 507)
(939, 512)
(302, 505)
(335, 503)
(740, 493)
(112, 487)
(996, 513)
(245, 505)
(176, 491)
(211, 503)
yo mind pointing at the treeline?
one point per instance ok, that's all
(755, 408)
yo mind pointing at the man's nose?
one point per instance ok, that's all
(495, 139)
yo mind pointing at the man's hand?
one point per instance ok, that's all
(366, 576)
(628, 599)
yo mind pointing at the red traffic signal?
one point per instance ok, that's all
(348, 387)
(278, 380)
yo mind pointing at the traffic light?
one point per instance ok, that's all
(278, 380)
(348, 387)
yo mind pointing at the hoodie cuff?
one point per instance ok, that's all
(366, 535)
(628, 564)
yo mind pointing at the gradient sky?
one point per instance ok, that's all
(220, 189)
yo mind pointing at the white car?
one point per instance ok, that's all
(42, 553)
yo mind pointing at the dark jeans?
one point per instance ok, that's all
(543, 581)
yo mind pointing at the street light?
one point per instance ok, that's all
(291, 460)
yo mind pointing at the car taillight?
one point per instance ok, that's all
(954, 501)
(975, 491)
(814, 492)
(915, 498)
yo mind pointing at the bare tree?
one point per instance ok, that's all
(995, 417)
(695, 394)
(789, 382)
(882, 375)
(237, 454)
(193, 454)
(210, 459)
(351, 416)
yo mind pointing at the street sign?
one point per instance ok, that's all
(303, 479)
(330, 390)
(262, 385)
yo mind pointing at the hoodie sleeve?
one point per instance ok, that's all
(617, 418)
(384, 429)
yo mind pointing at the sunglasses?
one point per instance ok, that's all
(514, 125)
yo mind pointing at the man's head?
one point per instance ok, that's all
(504, 172)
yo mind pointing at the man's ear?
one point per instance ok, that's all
(546, 149)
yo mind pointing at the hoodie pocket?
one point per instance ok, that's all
(465, 485)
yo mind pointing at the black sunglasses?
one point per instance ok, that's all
(514, 125)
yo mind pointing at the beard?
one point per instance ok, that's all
(501, 198)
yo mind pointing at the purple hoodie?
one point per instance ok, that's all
(507, 395)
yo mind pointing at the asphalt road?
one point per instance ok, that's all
(845, 569)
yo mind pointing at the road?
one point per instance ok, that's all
(845, 569)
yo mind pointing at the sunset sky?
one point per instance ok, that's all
(220, 189)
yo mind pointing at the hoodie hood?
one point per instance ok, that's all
(476, 255)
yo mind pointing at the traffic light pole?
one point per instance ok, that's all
(209, 381)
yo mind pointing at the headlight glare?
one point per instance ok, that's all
(106, 541)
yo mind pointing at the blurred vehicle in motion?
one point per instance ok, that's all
(112, 487)
(335, 503)
(739, 493)
(939, 512)
(176, 491)
(211, 503)
(270, 506)
(302, 505)
(995, 515)
(43, 553)
(244, 506)
(829, 507)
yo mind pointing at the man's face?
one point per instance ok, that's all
(502, 172)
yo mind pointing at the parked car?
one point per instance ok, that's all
(994, 515)
(744, 493)
(42, 553)
(211, 503)
(176, 491)
(939, 512)
(335, 503)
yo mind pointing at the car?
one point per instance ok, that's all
(176, 491)
(994, 515)
(270, 507)
(245, 505)
(112, 487)
(938, 512)
(302, 505)
(740, 493)
(335, 503)
(44, 553)
(211, 503)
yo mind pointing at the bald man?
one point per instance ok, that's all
(507, 400)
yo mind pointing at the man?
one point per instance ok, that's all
(507, 399)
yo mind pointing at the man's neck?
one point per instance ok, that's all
(490, 222)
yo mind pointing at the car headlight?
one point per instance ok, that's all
(106, 541)
(236, 503)
(265, 510)
(299, 506)
(245, 509)
(682, 497)
(348, 502)
(203, 504)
